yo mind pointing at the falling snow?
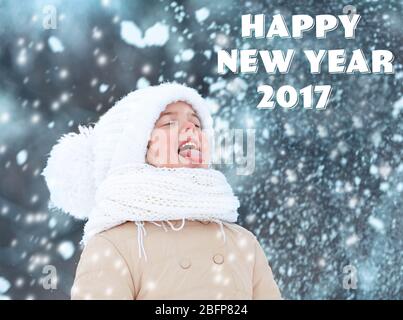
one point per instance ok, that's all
(327, 188)
(157, 35)
(202, 14)
(66, 249)
(22, 157)
(4, 285)
(55, 44)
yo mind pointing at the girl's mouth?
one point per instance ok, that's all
(189, 150)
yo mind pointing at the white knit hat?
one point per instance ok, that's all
(78, 163)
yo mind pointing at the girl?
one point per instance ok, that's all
(143, 174)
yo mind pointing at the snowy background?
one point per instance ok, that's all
(327, 191)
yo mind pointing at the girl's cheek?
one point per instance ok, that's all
(205, 148)
(153, 151)
(170, 146)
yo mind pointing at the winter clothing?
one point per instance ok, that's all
(146, 193)
(193, 263)
(119, 138)
(100, 174)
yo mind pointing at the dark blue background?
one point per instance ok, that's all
(328, 185)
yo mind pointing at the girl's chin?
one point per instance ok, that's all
(186, 162)
(182, 162)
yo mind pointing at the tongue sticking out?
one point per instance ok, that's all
(193, 154)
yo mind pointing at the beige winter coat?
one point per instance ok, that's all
(192, 263)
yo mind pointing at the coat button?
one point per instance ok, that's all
(218, 258)
(185, 263)
(176, 223)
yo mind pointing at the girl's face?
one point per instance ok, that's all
(177, 139)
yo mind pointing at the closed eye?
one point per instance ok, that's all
(196, 122)
(169, 123)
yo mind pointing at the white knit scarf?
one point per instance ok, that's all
(142, 192)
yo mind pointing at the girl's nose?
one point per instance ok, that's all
(189, 125)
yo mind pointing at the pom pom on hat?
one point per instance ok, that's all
(69, 173)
